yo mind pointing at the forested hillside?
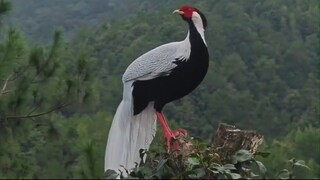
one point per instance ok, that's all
(57, 101)
(38, 19)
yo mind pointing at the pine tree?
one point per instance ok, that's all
(38, 86)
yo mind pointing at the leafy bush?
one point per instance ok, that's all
(196, 159)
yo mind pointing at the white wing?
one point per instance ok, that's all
(157, 62)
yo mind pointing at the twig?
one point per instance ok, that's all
(4, 87)
(39, 114)
(33, 110)
(17, 73)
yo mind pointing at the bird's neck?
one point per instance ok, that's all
(195, 29)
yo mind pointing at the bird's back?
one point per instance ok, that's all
(187, 74)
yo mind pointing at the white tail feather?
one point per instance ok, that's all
(128, 134)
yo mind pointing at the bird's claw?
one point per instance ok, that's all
(174, 134)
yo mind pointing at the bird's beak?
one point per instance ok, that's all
(177, 11)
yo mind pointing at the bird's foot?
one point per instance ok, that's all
(174, 134)
(168, 136)
(180, 132)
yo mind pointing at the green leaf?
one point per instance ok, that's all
(214, 171)
(283, 174)
(110, 174)
(235, 176)
(253, 175)
(161, 163)
(293, 160)
(262, 154)
(229, 166)
(215, 165)
(242, 156)
(200, 172)
(185, 174)
(201, 146)
(229, 175)
(262, 168)
(193, 161)
(301, 163)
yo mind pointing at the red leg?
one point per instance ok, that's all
(168, 133)
(166, 130)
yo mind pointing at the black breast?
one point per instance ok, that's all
(182, 80)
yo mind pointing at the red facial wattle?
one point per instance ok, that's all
(187, 11)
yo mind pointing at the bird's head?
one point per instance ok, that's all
(189, 13)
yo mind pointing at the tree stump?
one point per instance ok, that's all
(228, 139)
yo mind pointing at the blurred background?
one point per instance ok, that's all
(61, 64)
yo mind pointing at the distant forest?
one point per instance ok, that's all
(61, 64)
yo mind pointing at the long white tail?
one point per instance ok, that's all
(128, 134)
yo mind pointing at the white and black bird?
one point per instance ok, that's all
(164, 74)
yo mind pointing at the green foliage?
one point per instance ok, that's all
(203, 161)
(36, 82)
(300, 144)
(73, 14)
(5, 6)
